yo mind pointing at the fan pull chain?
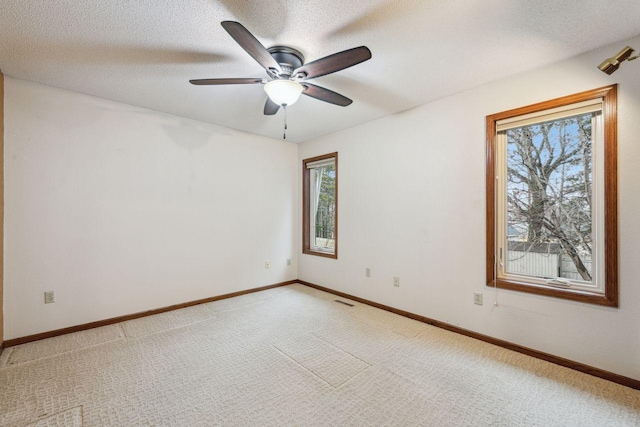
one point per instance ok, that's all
(284, 134)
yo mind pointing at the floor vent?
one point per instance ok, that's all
(342, 302)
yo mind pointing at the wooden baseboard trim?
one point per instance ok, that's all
(596, 372)
(111, 321)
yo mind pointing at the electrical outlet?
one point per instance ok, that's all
(396, 282)
(267, 265)
(367, 272)
(288, 261)
(477, 298)
(49, 297)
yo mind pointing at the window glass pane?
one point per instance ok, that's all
(549, 199)
(323, 206)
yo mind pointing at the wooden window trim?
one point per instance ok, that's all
(610, 296)
(1, 211)
(306, 232)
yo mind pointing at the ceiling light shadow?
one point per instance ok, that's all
(371, 95)
(107, 54)
(265, 18)
(384, 12)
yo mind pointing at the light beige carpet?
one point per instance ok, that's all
(293, 356)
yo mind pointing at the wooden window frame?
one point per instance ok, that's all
(609, 112)
(306, 211)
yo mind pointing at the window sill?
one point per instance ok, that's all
(610, 300)
(319, 253)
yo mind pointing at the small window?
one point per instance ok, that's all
(551, 198)
(320, 205)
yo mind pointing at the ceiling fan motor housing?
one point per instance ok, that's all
(288, 58)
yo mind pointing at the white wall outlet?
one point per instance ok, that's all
(477, 298)
(288, 261)
(49, 297)
(267, 265)
(396, 282)
(367, 272)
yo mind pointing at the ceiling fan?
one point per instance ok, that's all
(287, 71)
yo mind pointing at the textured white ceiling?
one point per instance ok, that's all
(144, 52)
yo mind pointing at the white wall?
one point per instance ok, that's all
(412, 204)
(121, 209)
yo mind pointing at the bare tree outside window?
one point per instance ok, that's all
(549, 182)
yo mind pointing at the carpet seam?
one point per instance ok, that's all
(53, 356)
(342, 350)
(302, 366)
(58, 413)
(165, 330)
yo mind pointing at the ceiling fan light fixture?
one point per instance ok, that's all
(283, 92)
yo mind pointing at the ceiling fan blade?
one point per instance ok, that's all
(226, 81)
(336, 62)
(248, 42)
(325, 95)
(270, 107)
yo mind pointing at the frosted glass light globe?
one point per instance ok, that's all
(283, 92)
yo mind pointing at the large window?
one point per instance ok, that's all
(552, 198)
(320, 205)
